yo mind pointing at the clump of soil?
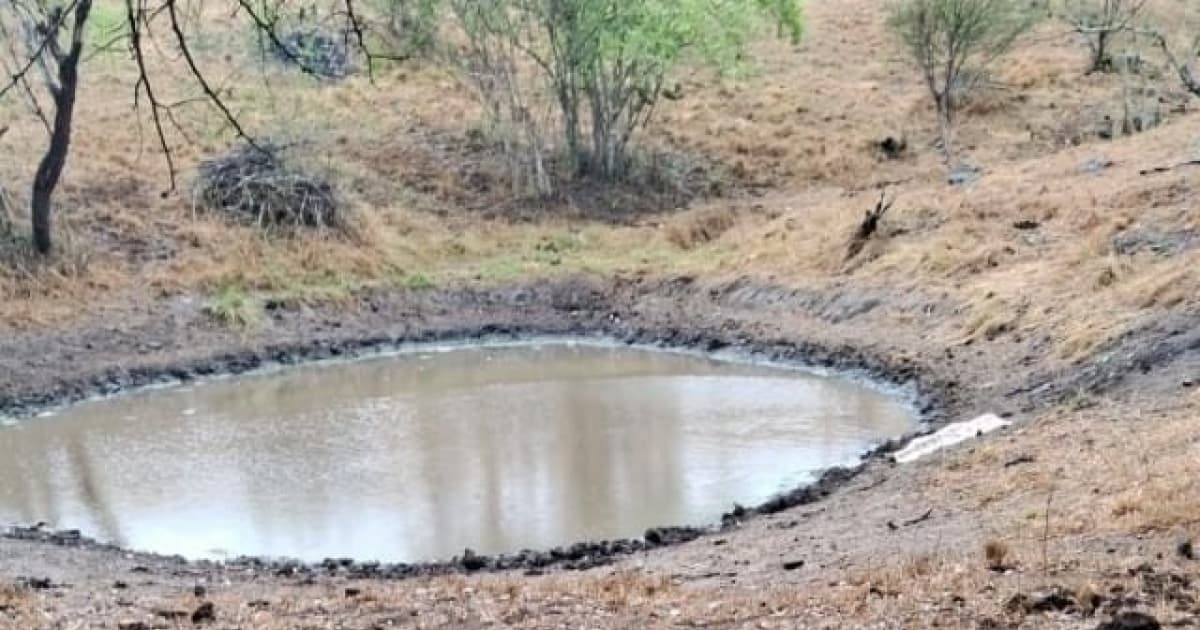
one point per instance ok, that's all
(256, 184)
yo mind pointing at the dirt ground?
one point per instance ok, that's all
(1060, 289)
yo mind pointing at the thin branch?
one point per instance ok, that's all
(143, 83)
(268, 28)
(212, 95)
(48, 40)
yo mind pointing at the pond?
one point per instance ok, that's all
(419, 455)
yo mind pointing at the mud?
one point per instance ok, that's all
(835, 329)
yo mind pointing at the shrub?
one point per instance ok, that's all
(322, 53)
(1100, 22)
(591, 72)
(952, 41)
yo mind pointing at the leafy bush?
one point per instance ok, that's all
(591, 72)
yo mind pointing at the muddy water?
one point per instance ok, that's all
(419, 456)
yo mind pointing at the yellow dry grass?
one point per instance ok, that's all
(803, 122)
(803, 126)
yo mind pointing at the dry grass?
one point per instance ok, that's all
(699, 228)
(802, 129)
(18, 608)
(802, 122)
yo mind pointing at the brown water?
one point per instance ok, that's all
(418, 456)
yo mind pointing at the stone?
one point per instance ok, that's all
(204, 613)
(1131, 620)
(1186, 549)
(1096, 165)
(962, 175)
(893, 147)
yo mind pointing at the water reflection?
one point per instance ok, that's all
(420, 456)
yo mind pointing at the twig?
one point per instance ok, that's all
(912, 521)
(143, 83)
(48, 41)
(268, 28)
(1046, 535)
(920, 519)
(213, 97)
(1165, 169)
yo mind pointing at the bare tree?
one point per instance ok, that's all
(1100, 22)
(47, 37)
(953, 42)
(1180, 61)
(60, 66)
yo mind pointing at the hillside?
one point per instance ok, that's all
(1061, 289)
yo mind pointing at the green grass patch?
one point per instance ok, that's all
(418, 281)
(234, 307)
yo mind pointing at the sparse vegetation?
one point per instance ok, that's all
(954, 43)
(591, 73)
(231, 305)
(1101, 23)
(1053, 286)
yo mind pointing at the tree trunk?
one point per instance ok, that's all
(51, 167)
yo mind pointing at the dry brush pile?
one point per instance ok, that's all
(258, 185)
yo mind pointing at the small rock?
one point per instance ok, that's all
(132, 625)
(1186, 549)
(1096, 165)
(892, 147)
(1130, 620)
(204, 613)
(1018, 460)
(1027, 224)
(120, 586)
(38, 584)
(353, 592)
(1056, 599)
(792, 565)
(962, 175)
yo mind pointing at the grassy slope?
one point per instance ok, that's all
(802, 129)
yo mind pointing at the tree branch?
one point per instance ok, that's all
(212, 95)
(48, 40)
(134, 16)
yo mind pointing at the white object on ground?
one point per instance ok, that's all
(949, 435)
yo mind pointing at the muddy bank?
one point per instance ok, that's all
(182, 344)
(852, 331)
(176, 342)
